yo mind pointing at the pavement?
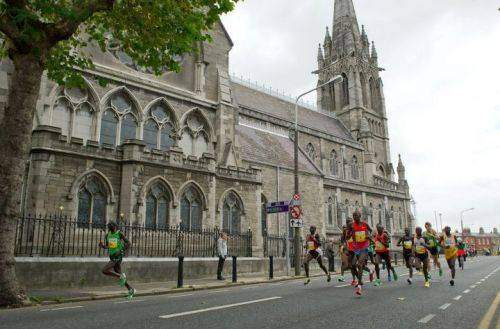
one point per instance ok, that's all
(471, 303)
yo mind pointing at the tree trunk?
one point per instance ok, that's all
(15, 143)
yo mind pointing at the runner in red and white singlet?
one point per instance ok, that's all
(314, 252)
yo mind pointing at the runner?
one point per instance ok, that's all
(347, 253)
(382, 250)
(421, 244)
(360, 232)
(462, 247)
(407, 242)
(449, 243)
(117, 245)
(432, 237)
(314, 252)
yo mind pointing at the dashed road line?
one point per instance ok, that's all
(427, 318)
(444, 306)
(466, 291)
(472, 286)
(343, 285)
(60, 308)
(458, 297)
(216, 308)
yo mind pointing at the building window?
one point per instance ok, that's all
(195, 138)
(92, 203)
(158, 207)
(345, 90)
(158, 130)
(354, 168)
(331, 211)
(263, 215)
(231, 214)
(120, 112)
(191, 209)
(334, 165)
(381, 171)
(311, 152)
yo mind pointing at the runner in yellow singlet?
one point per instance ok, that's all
(448, 241)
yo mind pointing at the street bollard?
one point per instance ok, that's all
(271, 267)
(180, 272)
(235, 272)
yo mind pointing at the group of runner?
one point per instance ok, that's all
(359, 244)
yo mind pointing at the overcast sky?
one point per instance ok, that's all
(442, 87)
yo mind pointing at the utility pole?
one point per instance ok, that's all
(441, 221)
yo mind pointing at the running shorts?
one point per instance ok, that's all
(361, 252)
(116, 258)
(450, 253)
(422, 257)
(314, 254)
(434, 251)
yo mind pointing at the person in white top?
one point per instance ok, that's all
(222, 253)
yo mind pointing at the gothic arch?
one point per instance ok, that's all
(197, 186)
(185, 116)
(145, 188)
(57, 89)
(76, 185)
(123, 89)
(223, 196)
(174, 119)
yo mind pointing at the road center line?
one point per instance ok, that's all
(488, 317)
(466, 291)
(472, 286)
(61, 308)
(426, 318)
(458, 297)
(174, 315)
(444, 306)
(479, 282)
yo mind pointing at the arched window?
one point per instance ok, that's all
(158, 129)
(74, 112)
(92, 198)
(354, 168)
(120, 111)
(195, 137)
(311, 152)
(373, 95)
(191, 209)
(334, 165)
(158, 207)
(363, 89)
(341, 214)
(333, 97)
(331, 211)
(345, 90)
(263, 215)
(231, 214)
(381, 171)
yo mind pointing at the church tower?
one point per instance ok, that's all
(359, 100)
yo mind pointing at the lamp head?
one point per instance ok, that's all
(335, 79)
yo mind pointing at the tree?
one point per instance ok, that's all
(51, 36)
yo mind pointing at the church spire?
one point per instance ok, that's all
(345, 34)
(365, 43)
(327, 44)
(374, 54)
(321, 59)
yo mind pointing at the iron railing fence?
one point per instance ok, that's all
(275, 245)
(60, 236)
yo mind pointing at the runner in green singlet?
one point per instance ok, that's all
(432, 237)
(117, 244)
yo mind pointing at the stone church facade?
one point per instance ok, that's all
(200, 150)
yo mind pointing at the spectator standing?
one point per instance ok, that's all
(222, 253)
(330, 254)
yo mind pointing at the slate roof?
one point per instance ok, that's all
(264, 147)
(258, 100)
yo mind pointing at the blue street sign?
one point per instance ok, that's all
(277, 207)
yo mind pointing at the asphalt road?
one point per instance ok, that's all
(290, 304)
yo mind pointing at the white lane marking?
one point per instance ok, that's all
(130, 301)
(479, 282)
(482, 280)
(251, 286)
(216, 291)
(183, 295)
(466, 291)
(444, 306)
(61, 308)
(215, 308)
(277, 284)
(343, 285)
(472, 286)
(426, 318)
(458, 297)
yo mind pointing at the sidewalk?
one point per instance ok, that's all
(53, 296)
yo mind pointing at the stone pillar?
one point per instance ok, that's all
(131, 169)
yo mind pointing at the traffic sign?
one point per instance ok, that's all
(296, 197)
(277, 207)
(297, 222)
(296, 212)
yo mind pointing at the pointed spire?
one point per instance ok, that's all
(328, 38)
(365, 43)
(321, 59)
(327, 44)
(401, 169)
(374, 51)
(345, 34)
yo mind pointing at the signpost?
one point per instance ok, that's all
(277, 207)
(296, 212)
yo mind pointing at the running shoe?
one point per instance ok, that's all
(377, 282)
(357, 290)
(341, 279)
(429, 276)
(452, 282)
(395, 276)
(354, 283)
(408, 280)
(131, 293)
(440, 272)
(389, 278)
(328, 278)
(427, 284)
(123, 279)
(307, 281)
(371, 276)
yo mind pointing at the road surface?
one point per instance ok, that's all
(290, 304)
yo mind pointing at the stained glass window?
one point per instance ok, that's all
(109, 125)
(231, 216)
(128, 128)
(92, 203)
(191, 212)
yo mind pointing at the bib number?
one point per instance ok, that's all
(113, 243)
(420, 249)
(360, 236)
(407, 245)
(379, 246)
(310, 245)
(447, 243)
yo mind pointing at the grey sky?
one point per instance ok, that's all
(441, 86)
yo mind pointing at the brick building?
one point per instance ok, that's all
(200, 149)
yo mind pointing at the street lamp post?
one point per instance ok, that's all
(441, 221)
(296, 231)
(462, 219)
